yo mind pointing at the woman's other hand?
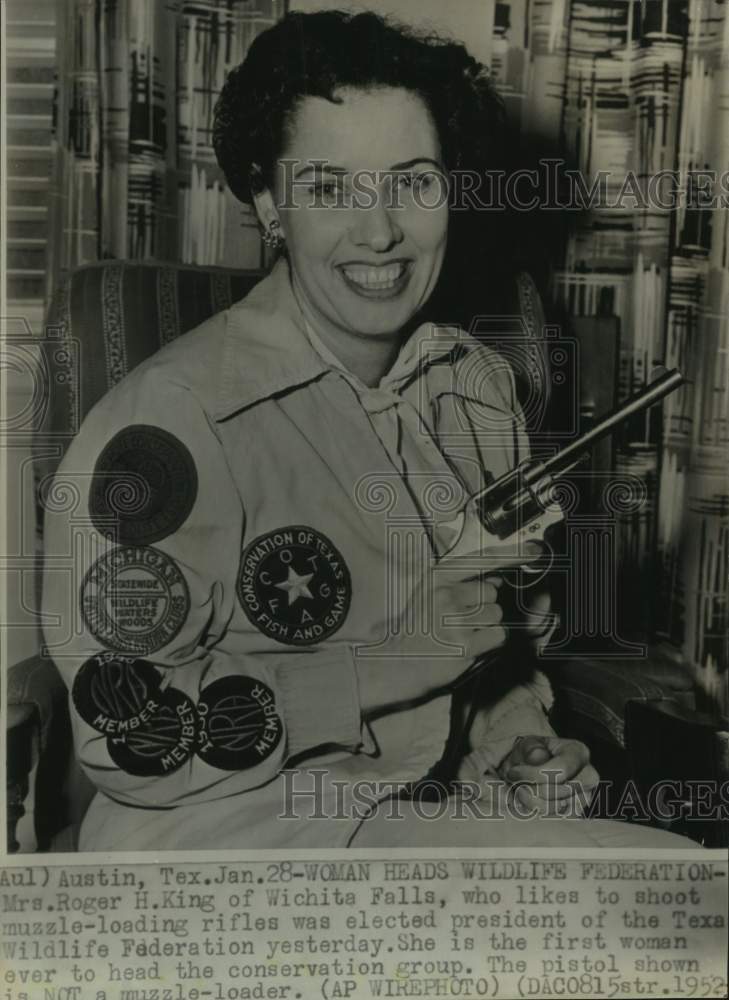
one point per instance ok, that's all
(551, 776)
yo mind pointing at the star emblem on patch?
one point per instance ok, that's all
(294, 585)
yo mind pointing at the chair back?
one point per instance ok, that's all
(107, 317)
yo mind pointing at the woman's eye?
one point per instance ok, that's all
(325, 191)
(407, 181)
(416, 182)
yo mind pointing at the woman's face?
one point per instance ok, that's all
(361, 196)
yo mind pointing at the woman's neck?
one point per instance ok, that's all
(369, 358)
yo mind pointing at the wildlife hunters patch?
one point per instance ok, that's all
(116, 693)
(144, 486)
(163, 743)
(238, 723)
(135, 599)
(294, 585)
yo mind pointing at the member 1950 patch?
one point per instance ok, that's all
(294, 585)
(238, 723)
(116, 694)
(163, 743)
(135, 599)
(144, 486)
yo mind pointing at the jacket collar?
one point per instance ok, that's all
(267, 350)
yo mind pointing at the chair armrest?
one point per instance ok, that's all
(591, 696)
(22, 721)
(18, 714)
(36, 683)
(680, 765)
(591, 693)
(38, 733)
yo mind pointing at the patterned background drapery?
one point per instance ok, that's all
(620, 85)
(135, 174)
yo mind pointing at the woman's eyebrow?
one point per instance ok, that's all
(323, 167)
(408, 164)
(319, 167)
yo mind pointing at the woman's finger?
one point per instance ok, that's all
(475, 618)
(568, 759)
(528, 804)
(484, 640)
(468, 593)
(583, 785)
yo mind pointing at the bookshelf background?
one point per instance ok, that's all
(135, 175)
(30, 65)
(29, 78)
(624, 85)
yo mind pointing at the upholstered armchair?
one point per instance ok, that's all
(105, 319)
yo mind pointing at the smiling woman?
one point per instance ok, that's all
(363, 266)
(267, 638)
(347, 157)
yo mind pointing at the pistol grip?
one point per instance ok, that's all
(473, 541)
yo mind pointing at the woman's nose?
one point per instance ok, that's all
(375, 226)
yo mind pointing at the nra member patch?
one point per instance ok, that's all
(134, 599)
(144, 486)
(163, 743)
(294, 585)
(116, 693)
(238, 725)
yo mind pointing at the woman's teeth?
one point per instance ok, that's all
(375, 277)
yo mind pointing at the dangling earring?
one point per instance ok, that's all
(272, 237)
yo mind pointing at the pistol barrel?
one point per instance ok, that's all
(640, 401)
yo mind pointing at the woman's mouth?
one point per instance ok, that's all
(381, 281)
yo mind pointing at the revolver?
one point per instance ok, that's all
(520, 505)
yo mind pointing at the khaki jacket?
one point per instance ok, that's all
(244, 516)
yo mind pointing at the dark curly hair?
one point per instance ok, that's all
(315, 54)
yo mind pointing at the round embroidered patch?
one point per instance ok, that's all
(163, 743)
(238, 724)
(294, 585)
(114, 693)
(144, 486)
(134, 599)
